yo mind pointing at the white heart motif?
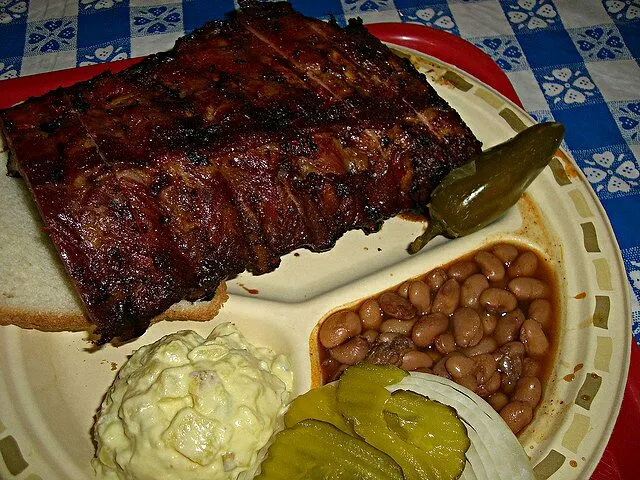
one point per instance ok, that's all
(584, 83)
(617, 185)
(527, 4)
(605, 159)
(19, 7)
(635, 277)
(552, 89)
(426, 14)
(562, 74)
(546, 11)
(628, 170)
(633, 12)
(536, 22)
(574, 96)
(614, 6)
(120, 56)
(517, 17)
(595, 175)
(104, 53)
(445, 22)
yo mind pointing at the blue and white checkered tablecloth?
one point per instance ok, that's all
(569, 60)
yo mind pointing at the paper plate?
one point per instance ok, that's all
(51, 386)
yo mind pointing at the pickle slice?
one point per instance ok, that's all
(312, 449)
(431, 426)
(320, 404)
(397, 427)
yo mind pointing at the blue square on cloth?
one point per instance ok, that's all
(432, 13)
(551, 47)
(591, 126)
(10, 67)
(196, 13)
(92, 31)
(531, 15)
(567, 86)
(620, 212)
(319, 9)
(611, 170)
(12, 43)
(104, 53)
(631, 34)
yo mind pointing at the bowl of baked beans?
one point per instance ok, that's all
(487, 321)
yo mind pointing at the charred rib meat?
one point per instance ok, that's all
(252, 137)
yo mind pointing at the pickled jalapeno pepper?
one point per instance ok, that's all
(476, 194)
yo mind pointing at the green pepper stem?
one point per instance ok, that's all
(434, 228)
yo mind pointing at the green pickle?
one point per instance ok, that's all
(312, 449)
(476, 194)
(320, 404)
(357, 429)
(427, 441)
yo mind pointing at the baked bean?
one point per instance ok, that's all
(396, 306)
(428, 327)
(486, 366)
(508, 327)
(472, 288)
(530, 367)
(462, 270)
(436, 278)
(350, 352)
(468, 381)
(498, 400)
(447, 298)
(540, 310)
(505, 252)
(533, 337)
(498, 300)
(459, 366)
(486, 345)
(435, 355)
(440, 368)
(467, 327)
(490, 265)
(387, 337)
(370, 335)
(528, 288)
(517, 415)
(414, 359)
(529, 390)
(513, 349)
(339, 327)
(524, 266)
(403, 290)
(370, 313)
(445, 343)
(397, 325)
(489, 322)
(490, 386)
(420, 296)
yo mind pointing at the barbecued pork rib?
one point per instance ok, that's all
(254, 136)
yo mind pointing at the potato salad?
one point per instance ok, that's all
(188, 408)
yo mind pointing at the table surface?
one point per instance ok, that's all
(573, 61)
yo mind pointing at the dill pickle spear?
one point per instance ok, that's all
(312, 449)
(395, 423)
(476, 194)
(320, 404)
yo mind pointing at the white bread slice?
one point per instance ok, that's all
(35, 291)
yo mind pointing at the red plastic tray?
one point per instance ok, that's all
(617, 462)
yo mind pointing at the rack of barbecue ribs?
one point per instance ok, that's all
(254, 136)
